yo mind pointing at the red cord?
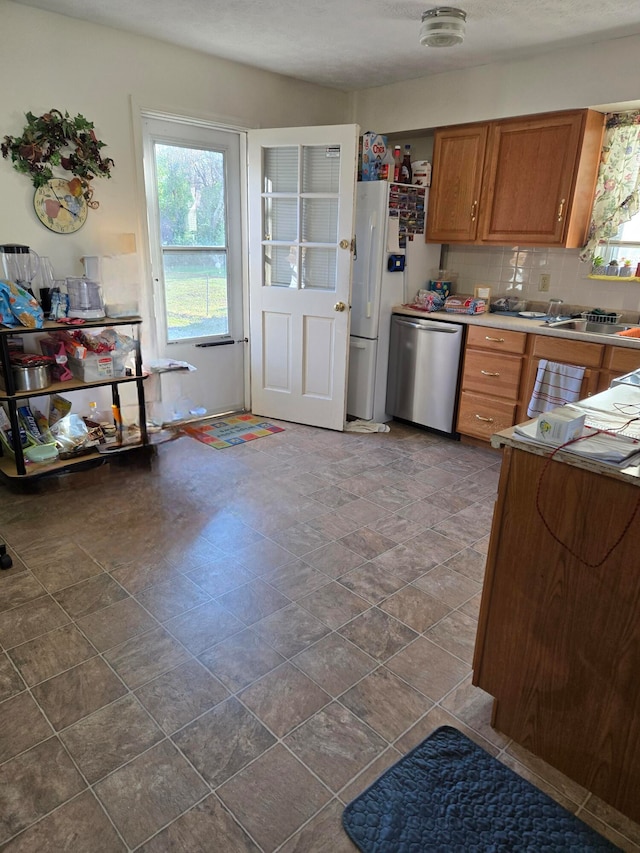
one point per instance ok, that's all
(546, 523)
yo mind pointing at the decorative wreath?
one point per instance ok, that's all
(54, 139)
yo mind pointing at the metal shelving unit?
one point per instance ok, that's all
(16, 468)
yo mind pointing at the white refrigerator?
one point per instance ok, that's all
(383, 211)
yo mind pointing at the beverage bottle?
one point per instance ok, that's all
(406, 173)
(397, 164)
(101, 422)
(387, 166)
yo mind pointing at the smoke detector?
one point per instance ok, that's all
(442, 27)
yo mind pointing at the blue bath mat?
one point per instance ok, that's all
(449, 795)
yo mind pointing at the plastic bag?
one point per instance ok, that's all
(72, 437)
(18, 307)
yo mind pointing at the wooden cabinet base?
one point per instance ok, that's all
(558, 642)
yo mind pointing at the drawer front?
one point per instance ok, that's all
(491, 373)
(567, 352)
(496, 339)
(622, 360)
(480, 416)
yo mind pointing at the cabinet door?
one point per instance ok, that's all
(481, 416)
(617, 361)
(590, 386)
(491, 373)
(454, 198)
(529, 179)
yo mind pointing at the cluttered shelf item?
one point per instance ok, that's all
(79, 360)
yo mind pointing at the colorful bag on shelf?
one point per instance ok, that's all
(18, 307)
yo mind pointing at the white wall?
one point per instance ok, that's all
(597, 75)
(51, 61)
(567, 79)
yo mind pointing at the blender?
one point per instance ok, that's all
(20, 264)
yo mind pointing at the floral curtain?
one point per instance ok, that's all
(618, 186)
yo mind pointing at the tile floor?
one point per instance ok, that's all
(217, 652)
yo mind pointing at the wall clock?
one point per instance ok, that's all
(60, 205)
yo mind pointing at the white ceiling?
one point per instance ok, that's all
(357, 44)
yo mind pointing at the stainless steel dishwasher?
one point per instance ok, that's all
(424, 365)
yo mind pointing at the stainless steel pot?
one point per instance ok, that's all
(31, 378)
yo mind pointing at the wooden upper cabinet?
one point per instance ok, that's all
(454, 197)
(538, 177)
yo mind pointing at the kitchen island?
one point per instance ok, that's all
(558, 643)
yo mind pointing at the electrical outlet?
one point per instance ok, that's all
(545, 281)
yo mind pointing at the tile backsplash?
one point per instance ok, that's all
(515, 271)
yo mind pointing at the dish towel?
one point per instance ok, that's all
(555, 385)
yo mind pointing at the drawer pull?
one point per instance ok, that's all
(488, 373)
(486, 420)
(495, 340)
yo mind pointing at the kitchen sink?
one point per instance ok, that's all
(591, 328)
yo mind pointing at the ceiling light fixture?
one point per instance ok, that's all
(442, 27)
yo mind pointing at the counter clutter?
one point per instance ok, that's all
(502, 355)
(535, 325)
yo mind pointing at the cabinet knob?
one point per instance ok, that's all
(495, 340)
(488, 373)
(486, 420)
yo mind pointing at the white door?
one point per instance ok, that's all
(301, 210)
(193, 186)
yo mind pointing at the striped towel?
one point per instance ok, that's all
(555, 385)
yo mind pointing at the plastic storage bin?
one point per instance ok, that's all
(94, 367)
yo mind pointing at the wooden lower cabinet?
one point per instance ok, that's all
(558, 642)
(500, 367)
(480, 416)
(578, 353)
(617, 361)
(490, 381)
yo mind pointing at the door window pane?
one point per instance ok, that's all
(308, 215)
(281, 170)
(281, 219)
(193, 236)
(281, 266)
(196, 294)
(320, 169)
(320, 220)
(319, 268)
(191, 196)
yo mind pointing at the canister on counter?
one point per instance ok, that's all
(442, 281)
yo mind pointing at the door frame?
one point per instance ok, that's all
(139, 112)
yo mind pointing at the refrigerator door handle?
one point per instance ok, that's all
(357, 346)
(372, 232)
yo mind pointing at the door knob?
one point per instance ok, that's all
(339, 306)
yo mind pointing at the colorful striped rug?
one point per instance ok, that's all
(231, 431)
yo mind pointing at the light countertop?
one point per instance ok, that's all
(519, 324)
(614, 400)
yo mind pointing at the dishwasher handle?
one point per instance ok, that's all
(434, 326)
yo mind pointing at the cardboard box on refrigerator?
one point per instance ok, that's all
(374, 148)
